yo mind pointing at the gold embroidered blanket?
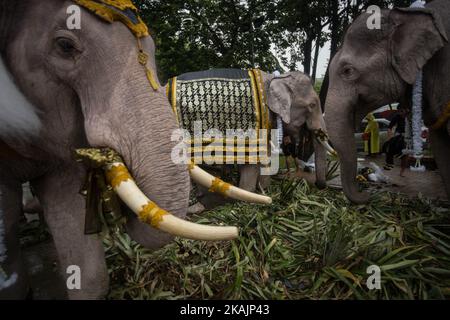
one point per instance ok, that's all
(230, 101)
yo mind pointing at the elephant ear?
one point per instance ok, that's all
(18, 117)
(418, 34)
(280, 96)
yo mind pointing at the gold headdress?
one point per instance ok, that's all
(123, 11)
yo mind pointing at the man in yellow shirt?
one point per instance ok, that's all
(372, 136)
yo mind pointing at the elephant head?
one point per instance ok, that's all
(375, 67)
(68, 88)
(292, 98)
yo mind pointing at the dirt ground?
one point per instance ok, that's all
(428, 183)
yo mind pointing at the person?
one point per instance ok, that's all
(372, 136)
(395, 146)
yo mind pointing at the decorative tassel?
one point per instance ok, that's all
(280, 130)
(143, 60)
(151, 79)
(280, 133)
(408, 151)
(417, 120)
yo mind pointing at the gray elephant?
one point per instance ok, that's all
(376, 67)
(233, 99)
(63, 89)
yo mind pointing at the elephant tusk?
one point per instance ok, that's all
(148, 212)
(328, 147)
(323, 139)
(214, 184)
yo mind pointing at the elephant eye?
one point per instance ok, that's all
(349, 72)
(66, 46)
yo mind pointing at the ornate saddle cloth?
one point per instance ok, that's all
(223, 100)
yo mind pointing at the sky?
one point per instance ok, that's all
(324, 56)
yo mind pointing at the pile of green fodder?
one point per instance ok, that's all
(310, 244)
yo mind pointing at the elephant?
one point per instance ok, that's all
(92, 86)
(290, 98)
(378, 66)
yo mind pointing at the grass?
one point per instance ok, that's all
(309, 244)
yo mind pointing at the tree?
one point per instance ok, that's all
(270, 34)
(300, 24)
(202, 34)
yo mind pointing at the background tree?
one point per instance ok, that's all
(269, 34)
(202, 34)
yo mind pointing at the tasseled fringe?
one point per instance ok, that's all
(417, 119)
(143, 60)
(280, 130)
(280, 133)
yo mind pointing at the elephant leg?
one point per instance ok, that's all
(441, 151)
(264, 182)
(13, 275)
(249, 177)
(195, 206)
(64, 212)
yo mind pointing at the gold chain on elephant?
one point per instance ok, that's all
(126, 12)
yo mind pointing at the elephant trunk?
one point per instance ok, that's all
(138, 124)
(321, 165)
(341, 128)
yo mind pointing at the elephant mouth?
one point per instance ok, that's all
(148, 212)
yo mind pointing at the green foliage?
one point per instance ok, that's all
(318, 85)
(197, 35)
(305, 24)
(309, 244)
